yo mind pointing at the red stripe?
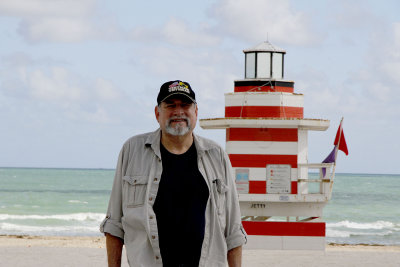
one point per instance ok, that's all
(263, 111)
(257, 187)
(261, 134)
(261, 161)
(260, 187)
(294, 187)
(263, 89)
(285, 228)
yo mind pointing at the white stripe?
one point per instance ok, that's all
(261, 147)
(260, 174)
(304, 242)
(285, 242)
(303, 124)
(302, 157)
(303, 146)
(264, 99)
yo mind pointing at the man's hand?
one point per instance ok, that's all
(114, 250)
(235, 257)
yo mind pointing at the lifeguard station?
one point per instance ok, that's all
(267, 143)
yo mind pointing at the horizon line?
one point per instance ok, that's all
(113, 169)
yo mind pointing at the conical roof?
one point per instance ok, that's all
(265, 47)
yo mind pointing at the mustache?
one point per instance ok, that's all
(185, 118)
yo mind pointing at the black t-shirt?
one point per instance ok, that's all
(180, 208)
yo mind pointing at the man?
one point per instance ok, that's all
(174, 201)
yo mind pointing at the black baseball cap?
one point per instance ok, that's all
(177, 87)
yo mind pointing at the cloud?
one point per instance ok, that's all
(380, 74)
(55, 86)
(249, 21)
(353, 15)
(176, 32)
(106, 90)
(210, 71)
(72, 21)
(255, 19)
(388, 55)
(55, 29)
(60, 21)
(40, 8)
(65, 92)
(366, 94)
(396, 33)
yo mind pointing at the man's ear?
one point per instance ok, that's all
(156, 112)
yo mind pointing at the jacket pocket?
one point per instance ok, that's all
(134, 190)
(220, 189)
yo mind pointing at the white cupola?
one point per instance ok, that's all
(264, 61)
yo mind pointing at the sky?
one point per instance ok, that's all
(79, 77)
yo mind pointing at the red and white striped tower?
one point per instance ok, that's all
(266, 140)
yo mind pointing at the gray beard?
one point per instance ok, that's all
(178, 130)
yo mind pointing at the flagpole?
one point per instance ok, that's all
(340, 136)
(336, 149)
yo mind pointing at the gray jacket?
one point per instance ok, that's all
(130, 213)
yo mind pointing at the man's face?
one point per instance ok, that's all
(177, 116)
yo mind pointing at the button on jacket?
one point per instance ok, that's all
(130, 215)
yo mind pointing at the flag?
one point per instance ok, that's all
(339, 144)
(329, 159)
(340, 135)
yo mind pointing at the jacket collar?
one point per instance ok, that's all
(202, 144)
(153, 140)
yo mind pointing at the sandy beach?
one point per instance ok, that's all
(24, 251)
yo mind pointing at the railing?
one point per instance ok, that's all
(325, 181)
(309, 190)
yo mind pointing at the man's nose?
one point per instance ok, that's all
(178, 110)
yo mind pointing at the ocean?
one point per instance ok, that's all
(364, 208)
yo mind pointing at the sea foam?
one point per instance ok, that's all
(89, 216)
(378, 225)
(10, 228)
